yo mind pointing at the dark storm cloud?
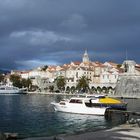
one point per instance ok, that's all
(37, 32)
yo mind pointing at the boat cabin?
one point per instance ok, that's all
(76, 100)
(86, 101)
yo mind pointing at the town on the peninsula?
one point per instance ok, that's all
(69, 70)
(77, 77)
(99, 82)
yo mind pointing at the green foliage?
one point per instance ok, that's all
(16, 80)
(60, 82)
(1, 78)
(83, 84)
(119, 65)
(20, 82)
(44, 68)
(26, 83)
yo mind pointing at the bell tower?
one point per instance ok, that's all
(85, 57)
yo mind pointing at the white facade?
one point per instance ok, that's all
(109, 77)
(96, 72)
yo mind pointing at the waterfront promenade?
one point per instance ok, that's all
(122, 132)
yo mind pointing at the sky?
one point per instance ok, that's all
(53, 32)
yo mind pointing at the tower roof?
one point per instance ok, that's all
(85, 57)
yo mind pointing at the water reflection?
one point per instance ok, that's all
(32, 115)
(76, 123)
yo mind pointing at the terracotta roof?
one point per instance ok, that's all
(76, 63)
(112, 63)
(137, 66)
(24, 72)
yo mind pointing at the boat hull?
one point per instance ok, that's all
(79, 109)
(12, 92)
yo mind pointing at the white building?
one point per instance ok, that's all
(99, 74)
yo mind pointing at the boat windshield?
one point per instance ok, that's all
(76, 101)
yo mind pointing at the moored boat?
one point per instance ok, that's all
(80, 106)
(109, 102)
(6, 89)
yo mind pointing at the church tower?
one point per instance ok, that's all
(85, 57)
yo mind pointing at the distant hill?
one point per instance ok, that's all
(4, 71)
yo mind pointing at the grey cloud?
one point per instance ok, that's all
(74, 22)
(33, 32)
(40, 37)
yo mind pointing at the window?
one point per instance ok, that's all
(62, 103)
(72, 101)
(79, 101)
(75, 101)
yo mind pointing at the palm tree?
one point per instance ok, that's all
(26, 83)
(60, 82)
(44, 68)
(83, 84)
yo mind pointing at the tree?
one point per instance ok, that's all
(20, 82)
(26, 83)
(83, 84)
(44, 68)
(119, 66)
(16, 80)
(1, 78)
(60, 82)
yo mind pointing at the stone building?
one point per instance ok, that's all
(100, 75)
(128, 84)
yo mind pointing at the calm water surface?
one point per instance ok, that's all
(32, 115)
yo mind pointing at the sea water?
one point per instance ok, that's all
(33, 116)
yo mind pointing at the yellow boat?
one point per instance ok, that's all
(104, 101)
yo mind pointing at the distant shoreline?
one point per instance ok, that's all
(70, 94)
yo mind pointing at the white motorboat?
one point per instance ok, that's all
(6, 89)
(80, 106)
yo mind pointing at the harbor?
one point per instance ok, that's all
(26, 116)
(69, 70)
(65, 115)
